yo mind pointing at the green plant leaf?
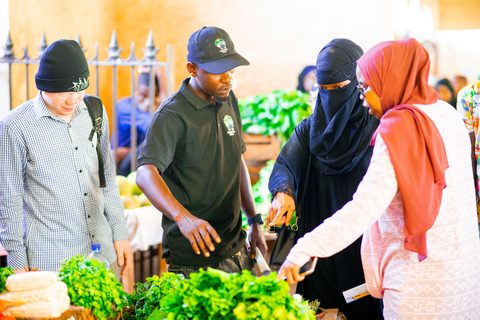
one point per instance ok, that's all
(92, 286)
(277, 112)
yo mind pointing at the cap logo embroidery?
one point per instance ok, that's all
(220, 43)
(229, 124)
(80, 85)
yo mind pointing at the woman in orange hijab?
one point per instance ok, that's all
(416, 204)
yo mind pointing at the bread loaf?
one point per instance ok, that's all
(57, 291)
(40, 309)
(35, 295)
(30, 280)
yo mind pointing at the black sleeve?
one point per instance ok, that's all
(161, 140)
(291, 162)
(234, 102)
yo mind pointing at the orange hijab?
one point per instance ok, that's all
(397, 71)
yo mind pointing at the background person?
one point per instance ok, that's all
(468, 106)
(191, 166)
(337, 138)
(306, 79)
(51, 203)
(142, 120)
(416, 204)
(445, 92)
(458, 82)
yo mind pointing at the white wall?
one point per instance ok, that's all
(4, 27)
(459, 53)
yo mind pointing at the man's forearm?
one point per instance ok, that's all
(12, 240)
(248, 202)
(154, 187)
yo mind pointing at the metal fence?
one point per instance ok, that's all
(113, 60)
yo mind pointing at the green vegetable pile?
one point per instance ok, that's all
(272, 113)
(92, 286)
(218, 295)
(4, 273)
(147, 296)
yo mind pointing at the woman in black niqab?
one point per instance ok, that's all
(321, 166)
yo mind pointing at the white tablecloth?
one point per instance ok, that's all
(144, 227)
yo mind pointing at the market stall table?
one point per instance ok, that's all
(144, 227)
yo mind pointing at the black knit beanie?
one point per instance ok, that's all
(63, 68)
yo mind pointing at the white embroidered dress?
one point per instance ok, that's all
(446, 285)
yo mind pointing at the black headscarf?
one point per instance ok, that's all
(342, 127)
(301, 77)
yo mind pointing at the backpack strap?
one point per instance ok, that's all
(95, 110)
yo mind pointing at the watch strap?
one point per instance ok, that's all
(256, 219)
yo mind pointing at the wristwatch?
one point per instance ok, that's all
(256, 219)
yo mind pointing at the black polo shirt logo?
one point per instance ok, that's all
(229, 124)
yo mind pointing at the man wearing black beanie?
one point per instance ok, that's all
(51, 203)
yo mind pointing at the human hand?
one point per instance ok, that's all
(198, 232)
(256, 239)
(20, 270)
(281, 210)
(124, 255)
(290, 272)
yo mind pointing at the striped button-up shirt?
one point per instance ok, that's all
(51, 203)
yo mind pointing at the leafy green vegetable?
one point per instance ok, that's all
(92, 286)
(272, 113)
(4, 273)
(218, 295)
(261, 194)
(146, 297)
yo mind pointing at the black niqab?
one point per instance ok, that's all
(342, 127)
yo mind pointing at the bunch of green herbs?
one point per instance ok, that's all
(272, 113)
(147, 296)
(4, 273)
(92, 286)
(218, 295)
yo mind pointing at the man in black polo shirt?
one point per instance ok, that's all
(191, 166)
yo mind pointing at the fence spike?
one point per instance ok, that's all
(43, 45)
(132, 52)
(25, 53)
(150, 49)
(79, 41)
(114, 50)
(95, 58)
(8, 49)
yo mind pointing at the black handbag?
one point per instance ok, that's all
(284, 243)
(286, 235)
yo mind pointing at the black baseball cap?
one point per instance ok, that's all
(212, 50)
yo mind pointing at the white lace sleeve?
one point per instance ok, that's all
(373, 195)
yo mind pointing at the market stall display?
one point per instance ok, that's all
(147, 296)
(92, 286)
(35, 295)
(214, 294)
(95, 294)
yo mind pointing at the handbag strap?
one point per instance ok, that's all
(302, 195)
